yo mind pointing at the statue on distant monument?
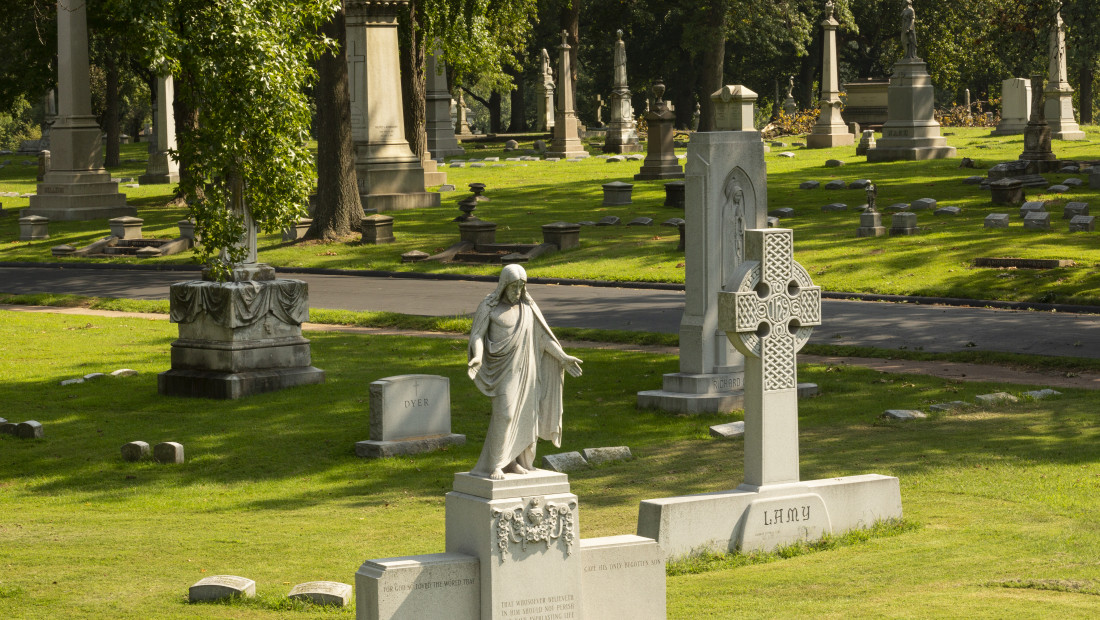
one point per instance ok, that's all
(829, 7)
(872, 198)
(546, 71)
(790, 87)
(515, 360)
(619, 58)
(909, 30)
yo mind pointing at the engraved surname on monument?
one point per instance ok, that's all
(898, 133)
(774, 522)
(554, 607)
(727, 384)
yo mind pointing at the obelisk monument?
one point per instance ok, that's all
(830, 129)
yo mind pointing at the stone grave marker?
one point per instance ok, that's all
(31, 429)
(135, 451)
(168, 452)
(621, 135)
(809, 185)
(1058, 189)
(782, 212)
(1041, 394)
(1073, 182)
(564, 461)
(566, 141)
(1058, 94)
(870, 225)
(833, 163)
(995, 398)
(948, 407)
(904, 414)
(1032, 206)
(409, 414)
(769, 314)
(1037, 220)
(1082, 223)
(322, 593)
(609, 220)
(728, 430)
(640, 221)
(898, 206)
(835, 206)
(660, 160)
(617, 193)
(1007, 191)
(904, 224)
(8, 428)
(837, 184)
(1015, 106)
(218, 587)
(596, 456)
(947, 211)
(830, 129)
(923, 204)
(33, 228)
(866, 142)
(996, 220)
(859, 184)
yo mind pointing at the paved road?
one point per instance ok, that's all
(859, 323)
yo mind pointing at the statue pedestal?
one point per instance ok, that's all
(1058, 109)
(912, 131)
(660, 160)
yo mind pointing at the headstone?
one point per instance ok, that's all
(1007, 192)
(1037, 221)
(409, 414)
(437, 114)
(904, 414)
(77, 187)
(1072, 182)
(462, 127)
(728, 430)
(996, 220)
(622, 135)
(898, 206)
(1015, 106)
(135, 451)
(43, 165)
(911, 132)
(609, 220)
(734, 108)
(72, 381)
(376, 229)
(1038, 152)
(598, 456)
(782, 212)
(511, 145)
(830, 129)
(1032, 206)
(162, 168)
(1058, 189)
(923, 204)
(809, 185)
(391, 177)
(8, 428)
(33, 227)
(168, 452)
(786, 154)
(322, 593)
(640, 221)
(674, 194)
(866, 141)
(769, 314)
(1070, 168)
(617, 193)
(563, 235)
(1042, 394)
(564, 461)
(31, 429)
(904, 224)
(726, 195)
(834, 207)
(837, 184)
(660, 160)
(544, 97)
(947, 211)
(673, 222)
(1058, 93)
(1082, 223)
(859, 184)
(996, 398)
(566, 143)
(219, 587)
(870, 225)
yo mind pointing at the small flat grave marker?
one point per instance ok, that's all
(1073, 182)
(974, 180)
(596, 456)
(1082, 223)
(947, 211)
(904, 414)
(1037, 221)
(923, 204)
(219, 587)
(610, 220)
(124, 372)
(640, 221)
(996, 220)
(837, 184)
(786, 154)
(728, 430)
(1058, 189)
(809, 185)
(859, 184)
(673, 222)
(835, 206)
(898, 206)
(904, 224)
(322, 593)
(1032, 206)
(564, 461)
(31, 429)
(995, 398)
(1074, 208)
(954, 405)
(1041, 394)
(782, 212)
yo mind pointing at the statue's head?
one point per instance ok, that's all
(513, 283)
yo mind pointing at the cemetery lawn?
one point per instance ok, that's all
(526, 195)
(1001, 503)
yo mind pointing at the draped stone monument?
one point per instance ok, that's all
(726, 193)
(911, 130)
(441, 133)
(1015, 107)
(77, 187)
(768, 314)
(162, 168)
(390, 176)
(1059, 94)
(622, 136)
(513, 547)
(830, 129)
(565, 143)
(544, 102)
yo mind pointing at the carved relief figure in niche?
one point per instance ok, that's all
(733, 227)
(909, 30)
(515, 360)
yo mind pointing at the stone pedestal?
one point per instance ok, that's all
(734, 108)
(911, 132)
(726, 193)
(904, 224)
(617, 193)
(830, 129)
(674, 194)
(1015, 107)
(34, 227)
(441, 133)
(77, 187)
(239, 338)
(126, 227)
(477, 232)
(866, 142)
(391, 177)
(377, 229)
(162, 168)
(1007, 192)
(565, 143)
(660, 160)
(870, 225)
(564, 235)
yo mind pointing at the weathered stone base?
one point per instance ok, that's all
(159, 179)
(829, 140)
(751, 519)
(233, 385)
(909, 154)
(658, 175)
(696, 393)
(399, 202)
(80, 214)
(382, 449)
(870, 231)
(1010, 127)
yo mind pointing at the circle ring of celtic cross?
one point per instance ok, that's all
(775, 309)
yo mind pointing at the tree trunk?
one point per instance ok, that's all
(187, 120)
(110, 120)
(518, 122)
(339, 208)
(1085, 92)
(414, 84)
(494, 112)
(713, 63)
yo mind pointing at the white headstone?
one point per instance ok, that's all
(409, 414)
(1015, 106)
(162, 167)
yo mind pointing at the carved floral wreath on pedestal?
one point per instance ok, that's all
(536, 524)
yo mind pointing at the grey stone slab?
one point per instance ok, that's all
(898, 206)
(1070, 168)
(947, 211)
(492, 159)
(610, 220)
(773, 222)
(974, 180)
(219, 587)
(1058, 189)
(859, 184)
(168, 452)
(1041, 394)
(728, 430)
(837, 184)
(1032, 206)
(8, 428)
(996, 220)
(809, 185)
(564, 461)
(596, 456)
(640, 221)
(587, 223)
(477, 165)
(322, 593)
(73, 381)
(798, 144)
(782, 212)
(1082, 223)
(923, 204)
(92, 376)
(948, 407)
(808, 390)
(614, 159)
(1037, 220)
(995, 398)
(1073, 182)
(786, 154)
(31, 429)
(673, 222)
(124, 372)
(634, 157)
(904, 414)
(835, 206)
(410, 407)
(778, 144)
(1074, 208)
(833, 163)
(135, 451)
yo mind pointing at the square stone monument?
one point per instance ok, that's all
(566, 143)
(769, 314)
(391, 177)
(726, 193)
(830, 129)
(1015, 107)
(409, 414)
(77, 187)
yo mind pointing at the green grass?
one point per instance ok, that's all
(528, 195)
(271, 489)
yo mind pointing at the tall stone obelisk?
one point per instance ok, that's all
(622, 136)
(1059, 94)
(77, 187)
(830, 129)
(441, 133)
(565, 143)
(544, 102)
(162, 168)
(391, 177)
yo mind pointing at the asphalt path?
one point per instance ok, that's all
(931, 328)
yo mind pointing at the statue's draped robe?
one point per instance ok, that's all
(524, 382)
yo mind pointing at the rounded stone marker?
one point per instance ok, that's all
(322, 592)
(168, 452)
(135, 451)
(220, 587)
(30, 429)
(8, 428)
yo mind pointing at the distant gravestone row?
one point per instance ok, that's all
(168, 452)
(982, 400)
(568, 461)
(222, 587)
(31, 429)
